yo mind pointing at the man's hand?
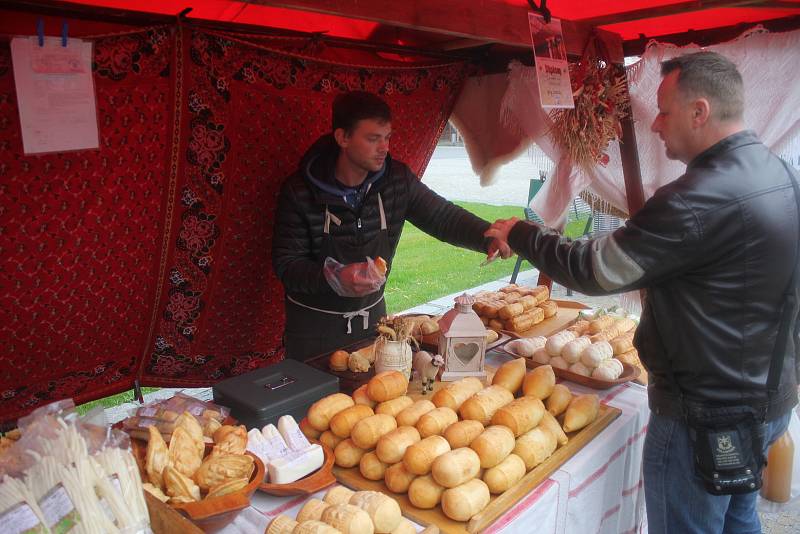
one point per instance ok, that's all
(498, 231)
(354, 279)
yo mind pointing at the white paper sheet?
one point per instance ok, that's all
(55, 94)
(552, 67)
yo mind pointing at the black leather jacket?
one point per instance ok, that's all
(300, 216)
(716, 251)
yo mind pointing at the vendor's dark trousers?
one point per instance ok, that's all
(676, 499)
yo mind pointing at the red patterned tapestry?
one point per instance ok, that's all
(149, 258)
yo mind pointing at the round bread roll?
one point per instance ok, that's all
(434, 422)
(360, 397)
(343, 422)
(394, 406)
(348, 519)
(321, 412)
(398, 478)
(505, 474)
(347, 454)
(392, 446)
(382, 509)
(338, 495)
(312, 510)
(410, 415)
(539, 383)
(387, 385)
(419, 457)
(338, 361)
(520, 415)
(453, 468)
(424, 492)
(330, 439)
(462, 433)
(368, 431)
(493, 445)
(464, 501)
(371, 467)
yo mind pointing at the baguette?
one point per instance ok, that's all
(343, 422)
(464, 501)
(394, 406)
(510, 375)
(397, 478)
(419, 457)
(493, 445)
(520, 415)
(540, 382)
(453, 395)
(462, 433)
(505, 474)
(410, 415)
(387, 385)
(455, 467)
(436, 421)
(392, 446)
(321, 412)
(483, 404)
(424, 492)
(368, 431)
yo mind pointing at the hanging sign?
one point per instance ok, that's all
(55, 94)
(552, 68)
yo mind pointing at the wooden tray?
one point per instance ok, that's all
(319, 479)
(568, 311)
(499, 504)
(629, 372)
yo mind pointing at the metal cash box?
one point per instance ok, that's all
(260, 397)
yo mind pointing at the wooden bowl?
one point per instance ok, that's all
(321, 478)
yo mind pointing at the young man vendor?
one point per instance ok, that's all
(340, 216)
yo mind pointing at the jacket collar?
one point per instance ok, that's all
(739, 139)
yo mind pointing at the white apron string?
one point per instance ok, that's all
(363, 312)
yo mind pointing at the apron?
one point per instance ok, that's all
(320, 324)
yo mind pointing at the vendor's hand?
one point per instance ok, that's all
(499, 232)
(354, 279)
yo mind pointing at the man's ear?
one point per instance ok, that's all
(341, 137)
(701, 111)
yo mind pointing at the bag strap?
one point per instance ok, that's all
(790, 306)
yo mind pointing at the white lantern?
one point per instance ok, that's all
(462, 341)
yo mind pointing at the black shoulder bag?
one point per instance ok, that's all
(728, 441)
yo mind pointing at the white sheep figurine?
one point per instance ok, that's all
(426, 367)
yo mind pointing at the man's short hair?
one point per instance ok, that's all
(349, 108)
(712, 76)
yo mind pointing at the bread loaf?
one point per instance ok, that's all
(410, 415)
(601, 323)
(338, 360)
(424, 492)
(338, 495)
(397, 478)
(505, 474)
(309, 431)
(622, 343)
(343, 422)
(519, 415)
(360, 397)
(312, 510)
(581, 411)
(347, 454)
(329, 439)
(392, 446)
(371, 467)
(493, 445)
(462, 433)
(394, 406)
(549, 307)
(559, 399)
(455, 467)
(322, 411)
(387, 385)
(382, 509)
(550, 423)
(540, 382)
(436, 421)
(314, 527)
(535, 446)
(368, 431)
(526, 321)
(579, 327)
(419, 457)
(348, 519)
(453, 395)
(281, 525)
(542, 293)
(482, 405)
(510, 375)
(464, 501)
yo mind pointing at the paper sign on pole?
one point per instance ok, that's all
(55, 94)
(552, 68)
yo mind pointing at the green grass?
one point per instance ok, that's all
(423, 269)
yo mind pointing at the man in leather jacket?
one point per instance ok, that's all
(716, 250)
(342, 210)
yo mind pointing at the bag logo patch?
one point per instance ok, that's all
(724, 444)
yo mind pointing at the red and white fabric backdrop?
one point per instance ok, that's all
(150, 257)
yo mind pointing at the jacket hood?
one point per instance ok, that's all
(317, 167)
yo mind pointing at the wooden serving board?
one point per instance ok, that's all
(568, 311)
(499, 504)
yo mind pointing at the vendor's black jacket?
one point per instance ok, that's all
(716, 251)
(298, 230)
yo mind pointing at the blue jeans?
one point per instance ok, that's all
(676, 500)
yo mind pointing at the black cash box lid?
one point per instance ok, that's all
(276, 389)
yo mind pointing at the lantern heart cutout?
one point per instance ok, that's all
(465, 352)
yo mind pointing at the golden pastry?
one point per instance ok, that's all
(229, 486)
(155, 491)
(231, 439)
(190, 424)
(219, 468)
(181, 488)
(358, 363)
(211, 426)
(183, 452)
(157, 457)
(339, 360)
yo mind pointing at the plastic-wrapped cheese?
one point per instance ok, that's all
(556, 342)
